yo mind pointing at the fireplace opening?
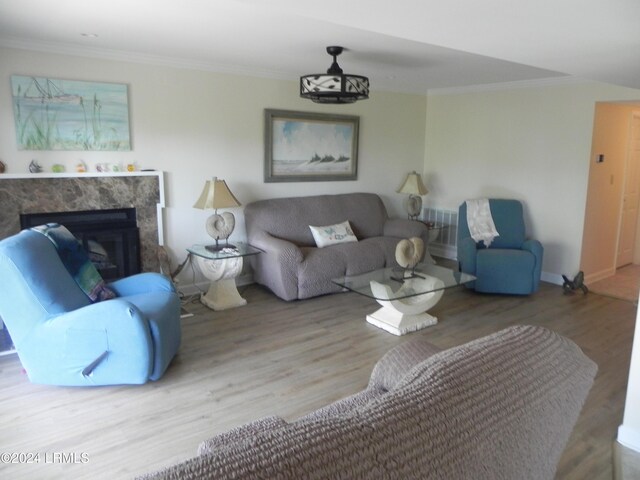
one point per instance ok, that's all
(110, 236)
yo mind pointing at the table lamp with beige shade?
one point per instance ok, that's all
(215, 195)
(415, 188)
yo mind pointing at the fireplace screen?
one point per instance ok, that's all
(109, 236)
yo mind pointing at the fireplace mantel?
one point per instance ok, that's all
(63, 192)
(146, 173)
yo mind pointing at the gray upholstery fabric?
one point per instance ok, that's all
(289, 218)
(498, 408)
(291, 265)
(392, 367)
(243, 433)
(387, 372)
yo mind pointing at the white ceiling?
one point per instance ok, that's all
(401, 45)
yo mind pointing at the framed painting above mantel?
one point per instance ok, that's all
(310, 147)
(56, 114)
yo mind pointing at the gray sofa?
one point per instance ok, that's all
(293, 267)
(498, 408)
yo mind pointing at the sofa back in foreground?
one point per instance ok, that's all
(500, 407)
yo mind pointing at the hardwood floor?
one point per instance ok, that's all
(277, 358)
(624, 284)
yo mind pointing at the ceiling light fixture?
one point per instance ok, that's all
(334, 86)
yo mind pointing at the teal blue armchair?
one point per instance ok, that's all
(62, 338)
(512, 264)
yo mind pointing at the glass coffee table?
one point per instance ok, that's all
(405, 295)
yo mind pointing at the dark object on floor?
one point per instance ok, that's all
(570, 286)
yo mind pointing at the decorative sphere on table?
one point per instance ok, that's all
(409, 252)
(413, 205)
(220, 225)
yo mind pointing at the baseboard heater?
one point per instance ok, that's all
(445, 244)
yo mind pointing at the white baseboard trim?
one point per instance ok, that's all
(554, 278)
(629, 437)
(594, 277)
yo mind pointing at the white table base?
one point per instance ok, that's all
(407, 314)
(398, 323)
(223, 293)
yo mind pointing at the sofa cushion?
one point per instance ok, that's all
(320, 265)
(333, 234)
(289, 218)
(387, 245)
(362, 257)
(317, 269)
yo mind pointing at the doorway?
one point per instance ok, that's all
(611, 242)
(627, 245)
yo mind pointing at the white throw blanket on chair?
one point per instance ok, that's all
(480, 221)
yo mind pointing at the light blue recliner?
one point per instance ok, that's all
(512, 264)
(64, 339)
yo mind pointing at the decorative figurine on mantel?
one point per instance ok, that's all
(34, 167)
(3, 167)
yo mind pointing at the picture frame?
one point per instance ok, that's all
(310, 147)
(58, 114)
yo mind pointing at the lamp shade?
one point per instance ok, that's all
(216, 194)
(413, 185)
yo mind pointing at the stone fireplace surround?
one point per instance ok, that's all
(66, 192)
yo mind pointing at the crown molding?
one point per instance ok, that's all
(163, 61)
(143, 58)
(193, 64)
(496, 87)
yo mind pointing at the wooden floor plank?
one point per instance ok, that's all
(288, 358)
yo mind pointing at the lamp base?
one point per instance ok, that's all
(220, 227)
(413, 206)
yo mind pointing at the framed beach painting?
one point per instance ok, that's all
(54, 114)
(310, 147)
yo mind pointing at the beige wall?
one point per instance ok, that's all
(195, 125)
(528, 143)
(605, 190)
(533, 144)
